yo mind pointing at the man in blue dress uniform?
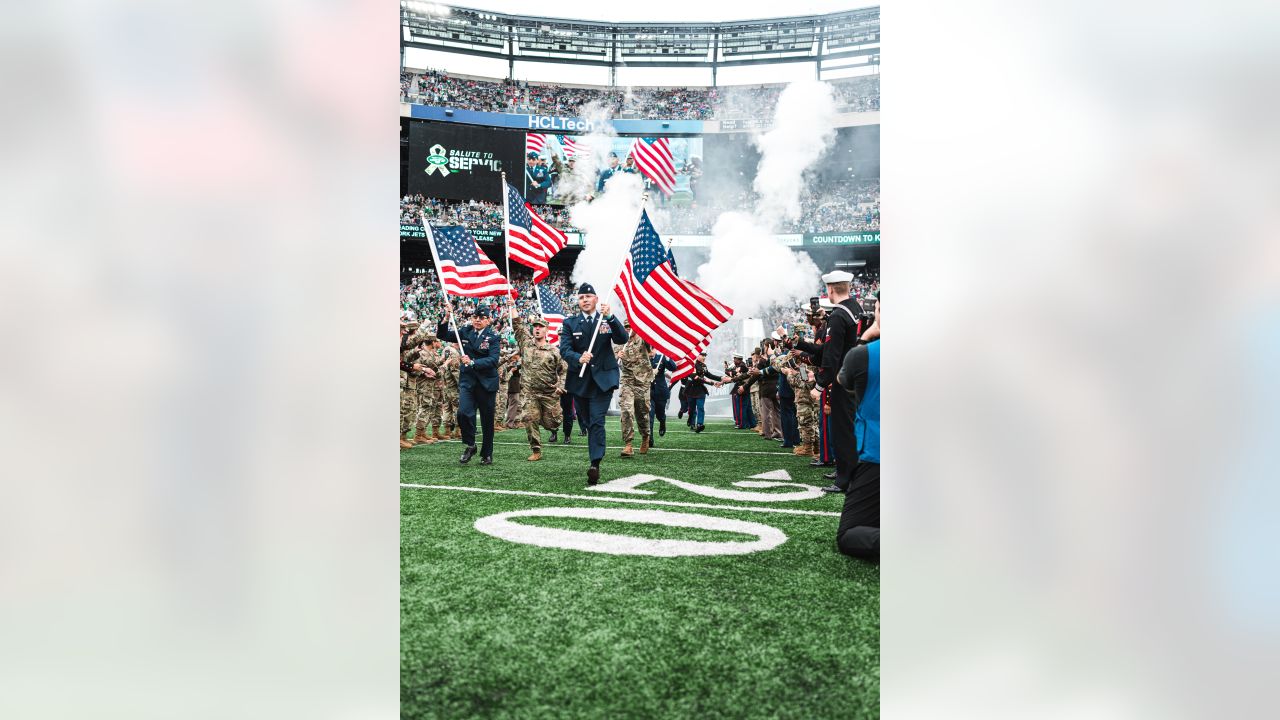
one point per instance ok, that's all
(477, 382)
(592, 391)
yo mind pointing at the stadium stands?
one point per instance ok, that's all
(437, 87)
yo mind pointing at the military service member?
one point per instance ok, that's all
(542, 382)
(477, 382)
(633, 401)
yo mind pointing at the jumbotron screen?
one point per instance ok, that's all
(463, 162)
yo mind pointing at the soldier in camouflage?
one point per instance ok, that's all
(411, 337)
(633, 401)
(449, 405)
(429, 385)
(542, 372)
(800, 376)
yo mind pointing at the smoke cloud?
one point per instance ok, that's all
(592, 155)
(750, 269)
(803, 129)
(608, 224)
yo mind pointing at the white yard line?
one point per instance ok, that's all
(606, 498)
(637, 448)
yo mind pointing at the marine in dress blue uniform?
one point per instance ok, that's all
(593, 391)
(477, 382)
(659, 393)
(539, 178)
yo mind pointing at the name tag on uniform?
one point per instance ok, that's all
(577, 334)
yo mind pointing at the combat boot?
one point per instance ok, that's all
(420, 438)
(802, 450)
(627, 451)
(435, 434)
(536, 456)
(405, 444)
(644, 446)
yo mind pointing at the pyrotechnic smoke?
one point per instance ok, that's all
(608, 224)
(803, 129)
(749, 269)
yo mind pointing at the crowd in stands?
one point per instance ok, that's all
(436, 87)
(472, 213)
(836, 209)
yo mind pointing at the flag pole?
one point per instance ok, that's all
(582, 370)
(431, 242)
(506, 244)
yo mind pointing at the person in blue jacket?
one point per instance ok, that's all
(659, 392)
(593, 390)
(477, 382)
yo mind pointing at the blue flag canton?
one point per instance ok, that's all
(454, 243)
(515, 206)
(551, 303)
(672, 260)
(647, 250)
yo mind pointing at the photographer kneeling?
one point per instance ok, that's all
(859, 531)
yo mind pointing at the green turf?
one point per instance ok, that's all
(492, 628)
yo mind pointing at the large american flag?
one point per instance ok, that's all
(534, 142)
(673, 315)
(653, 157)
(553, 312)
(464, 269)
(569, 145)
(530, 240)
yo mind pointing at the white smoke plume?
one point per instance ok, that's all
(608, 224)
(750, 270)
(803, 129)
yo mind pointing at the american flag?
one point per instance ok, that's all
(569, 145)
(653, 157)
(464, 269)
(685, 366)
(673, 315)
(530, 240)
(534, 142)
(553, 312)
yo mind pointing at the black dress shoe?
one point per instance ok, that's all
(701, 428)
(593, 475)
(662, 428)
(468, 452)
(555, 436)
(486, 461)
(565, 441)
(832, 489)
(829, 476)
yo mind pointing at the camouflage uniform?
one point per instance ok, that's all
(429, 391)
(806, 409)
(449, 393)
(409, 382)
(542, 372)
(637, 376)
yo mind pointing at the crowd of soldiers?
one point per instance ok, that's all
(816, 393)
(532, 376)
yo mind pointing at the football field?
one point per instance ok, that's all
(700, 580)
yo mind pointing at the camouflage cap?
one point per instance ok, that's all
(538, 322)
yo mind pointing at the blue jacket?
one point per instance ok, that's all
(483, 348)
(602, 372)
(661, 388)
(866, 419)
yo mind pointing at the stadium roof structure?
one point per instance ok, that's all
(850, 37)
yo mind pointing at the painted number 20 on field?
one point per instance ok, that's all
(763, 537)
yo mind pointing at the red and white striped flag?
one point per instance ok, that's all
(653, 157)
(569, 145)
(464, 268)
(530, 240)
(673, 315)
(534, 142)
(552, 311)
